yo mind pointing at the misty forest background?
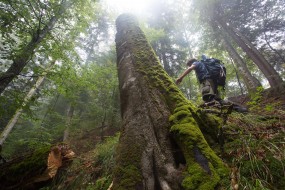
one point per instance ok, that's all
(63, 53)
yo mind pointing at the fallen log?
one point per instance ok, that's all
(36, 169)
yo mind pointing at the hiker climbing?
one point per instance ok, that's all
(210, 73)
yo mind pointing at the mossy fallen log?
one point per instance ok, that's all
(35, 169)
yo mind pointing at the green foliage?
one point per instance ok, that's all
(91, 170)
(104, 154)
(102, 183)
(255, 145)
(255, 98)
(153, 34)
(103, 157)
(31, 135)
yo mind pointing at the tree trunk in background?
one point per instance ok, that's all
(69, 115)
(238, 79)
(19, 111)
(166, 65)
(190, 52)
(23, 57)
(250, 81)
(269, 72)
(161, 135)
(273, 49)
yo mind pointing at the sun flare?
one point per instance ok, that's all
(132, 6)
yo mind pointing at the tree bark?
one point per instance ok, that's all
(23, 57)
(161, 144)
(250, 81)
(269, 72)
(19, 111)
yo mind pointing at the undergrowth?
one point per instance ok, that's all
(255, 146)
(89, 171)
(254, 150)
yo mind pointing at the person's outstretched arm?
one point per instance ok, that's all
(179, 80)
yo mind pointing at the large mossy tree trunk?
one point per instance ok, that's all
(161, 145)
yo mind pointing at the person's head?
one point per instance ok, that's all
(191, 61)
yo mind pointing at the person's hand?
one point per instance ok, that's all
(178, 81)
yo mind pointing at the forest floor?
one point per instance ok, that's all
(255, 141)
(254, 149)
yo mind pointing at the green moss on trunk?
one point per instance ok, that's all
(128, 163)
(205, 169)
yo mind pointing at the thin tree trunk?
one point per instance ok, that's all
(160, 136)
(190, 52)
(50, 108)
(69, 115)
(103, 126)
(269, 72)
(189, 94)
(238, 79)
(164, 58)
(273, 49)
(250, 81)
(19, 111)
(21, 59)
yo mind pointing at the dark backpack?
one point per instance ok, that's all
(217, 70)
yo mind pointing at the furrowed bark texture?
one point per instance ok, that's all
(161, 144)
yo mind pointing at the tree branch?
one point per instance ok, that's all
(17, 12)
(33, 9)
